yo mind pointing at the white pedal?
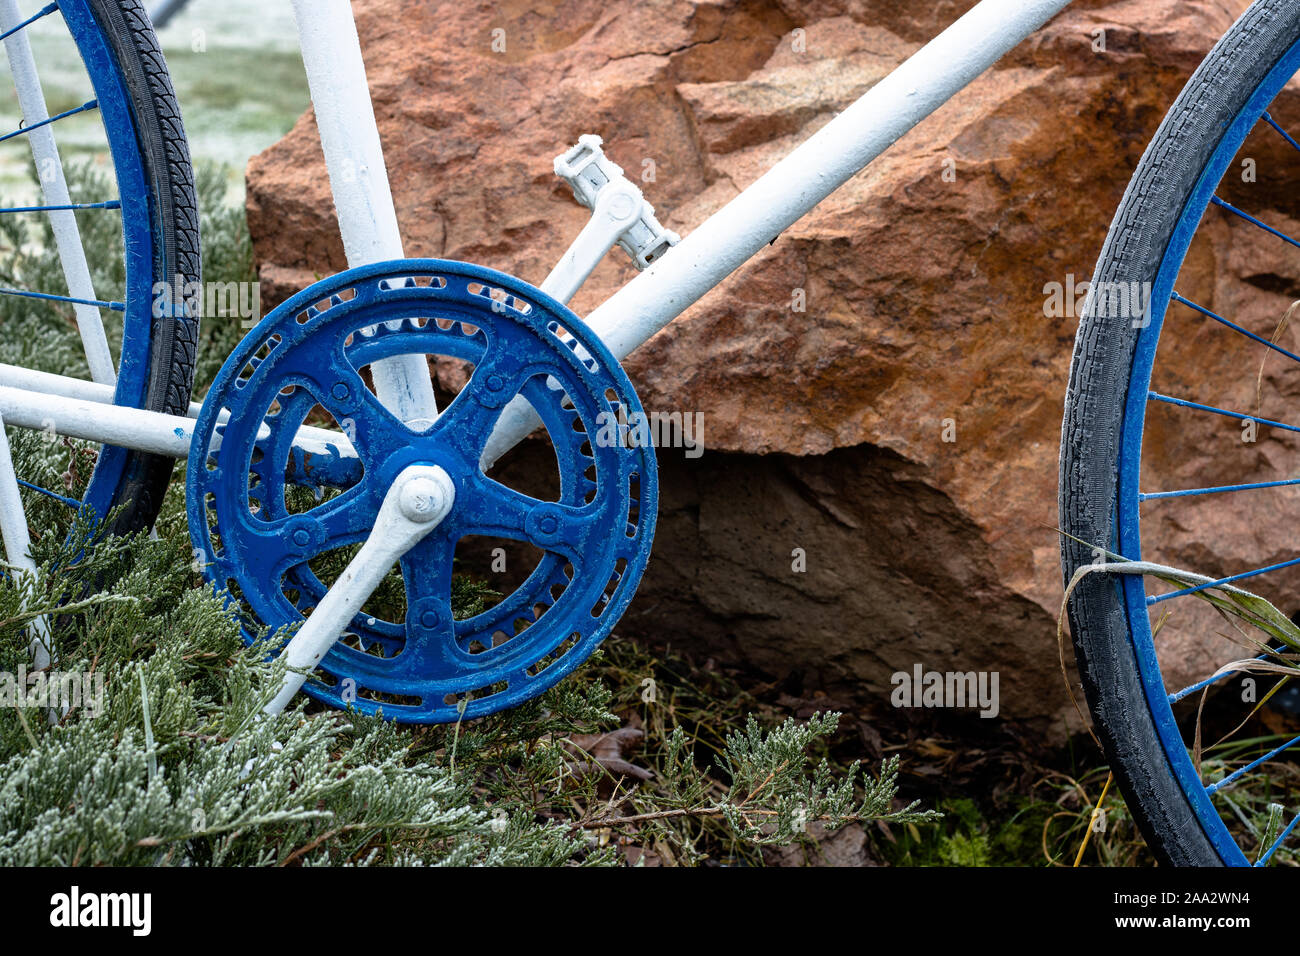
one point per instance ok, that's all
(589, 172)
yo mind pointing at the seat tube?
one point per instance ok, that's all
(363, 199)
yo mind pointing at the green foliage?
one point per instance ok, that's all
(39, 333)
(775, 793)
(1044, 826)
(181, 768)
(227, 257)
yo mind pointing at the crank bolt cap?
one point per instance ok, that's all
(423, 500)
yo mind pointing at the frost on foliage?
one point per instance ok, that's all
(181, 768)
(225, 785)
(776, 791)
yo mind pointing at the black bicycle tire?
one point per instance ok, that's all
(1102, 365)
(174, 218)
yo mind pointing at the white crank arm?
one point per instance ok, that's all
(419, 499)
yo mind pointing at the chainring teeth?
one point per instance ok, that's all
(549, 623)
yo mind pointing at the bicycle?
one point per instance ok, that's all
(331, 390)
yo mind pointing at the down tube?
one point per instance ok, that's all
(815, 169)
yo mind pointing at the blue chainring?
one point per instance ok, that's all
(257, 544)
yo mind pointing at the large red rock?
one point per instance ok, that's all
(824, 428)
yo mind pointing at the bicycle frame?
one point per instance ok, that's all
(368, 221)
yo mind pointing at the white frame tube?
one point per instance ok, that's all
(363, 199)
(816, 168)
(16, 538)
(309, 438)
(119, 425)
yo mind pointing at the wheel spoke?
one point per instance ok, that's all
(1183, 403)
(62, 499)
(1200, 685)
(1189, 492)
(24, 130)
(1285, 135)
(64, 207)
(1253, 221)
(1235, 327)
(43, 12)
(99, 303)
(1156, 599)
(1240, 771)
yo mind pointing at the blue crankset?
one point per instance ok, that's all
(266, 541)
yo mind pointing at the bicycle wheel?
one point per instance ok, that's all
(111, 99)
(1194, 500)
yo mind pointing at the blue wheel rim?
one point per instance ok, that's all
(1129, 537)
(137, 233)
